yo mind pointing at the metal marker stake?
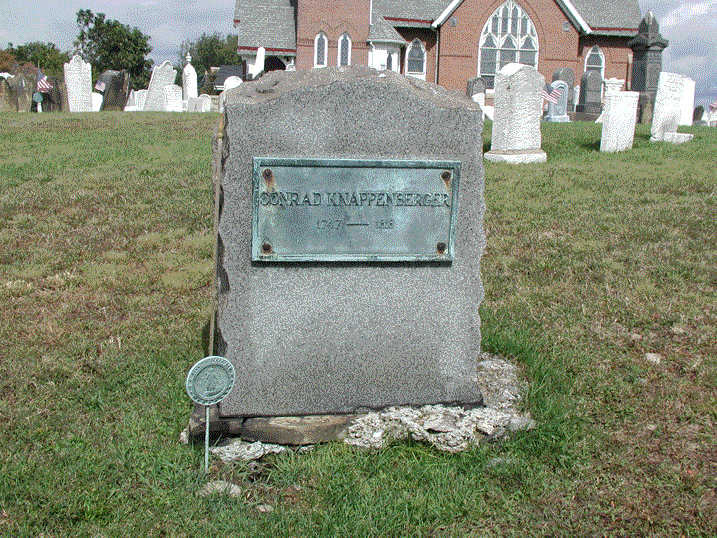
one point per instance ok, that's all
(208, 383)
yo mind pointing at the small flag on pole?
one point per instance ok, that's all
(552, 96)
(42, 84)
(100, 86)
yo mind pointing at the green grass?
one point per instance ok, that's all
(592, 261)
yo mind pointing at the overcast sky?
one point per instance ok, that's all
(689, 25)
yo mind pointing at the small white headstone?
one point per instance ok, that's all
(688, 101)
(96, 101)
(194, 104)
(78, 79)
(162, 75)
(206, 103)
(516, 120)
(619, 119)
(668, 107)
(172, 98)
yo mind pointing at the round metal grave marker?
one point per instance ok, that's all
(210, 380)
(37, 97)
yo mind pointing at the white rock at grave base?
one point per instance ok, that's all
(221, 487)
(654, 358)
(245, 451)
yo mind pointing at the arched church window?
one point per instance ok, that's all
(344, 49)
(595, 61)
(320, 47)
(510, 31)
(416, 59)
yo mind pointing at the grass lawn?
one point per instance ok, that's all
(601, 278)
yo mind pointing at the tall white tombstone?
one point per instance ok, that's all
(162, 75)
(189, 80)
(516, 118)
(688, 101)
(78, 79)
(258, 65)
(619, 119)
(668, 109)
(173, 98)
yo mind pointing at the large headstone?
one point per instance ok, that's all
(78, 79)
(647, 47)
(558, 112)
(189, 80)
(590, 94)
(566, 74)
(6, 103)
(688, 101)
(619, 119)
(312, 314)
(668, 109)
(116, 90)
(516, 118)
(162, 75)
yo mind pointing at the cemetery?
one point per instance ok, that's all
(342, 301)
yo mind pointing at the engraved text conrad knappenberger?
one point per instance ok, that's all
(355, 199)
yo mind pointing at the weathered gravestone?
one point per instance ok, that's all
(516, 118)
(566, 74)
(162, 75)
(116, 92)
(189, 80)
(688, 101)
(558, 112)
(78, 79)
(698, 116)
(475, 90)
(20, 92)
(611, 86)
(647, 47)
(668, 109)
(206, 103)
(6, 103)
(619, 119)
(131, 105)
(589, 107)
(350, 238)
(96, 101)
(141, 96)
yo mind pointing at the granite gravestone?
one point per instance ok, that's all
(558, 112)
(78, 78)
(116, 92)
(475, 90)
(647, 47)
(590, 96)
(6, 103)
(349, 246)
(20, 92)
(698, 115)
(566, 74)
(688, 101)
(619, 119)
(516, 118)
(162, 75)
(668, 109)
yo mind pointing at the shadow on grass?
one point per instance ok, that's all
(592, 146)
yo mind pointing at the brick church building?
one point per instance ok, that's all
(446, 42)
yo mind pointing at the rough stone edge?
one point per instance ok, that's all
(522, 157)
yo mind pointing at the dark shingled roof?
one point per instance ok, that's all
(603, 14)
(423, 10)
(267, 23)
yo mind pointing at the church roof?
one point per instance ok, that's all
(267, 23)
(272, 23)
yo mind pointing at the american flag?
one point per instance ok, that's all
(42, 84)
(100, 86)
(713, 106)
(552, 96)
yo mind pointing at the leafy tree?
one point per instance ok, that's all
(209, 51)
(109, 44)
(8, 62)
(46, 56)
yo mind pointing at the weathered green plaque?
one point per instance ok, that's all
(353, 210)
(210, 380)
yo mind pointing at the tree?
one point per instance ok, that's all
(108, 44)
(8, 62)
(46, 56)
(209, 51)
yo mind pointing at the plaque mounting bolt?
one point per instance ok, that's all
(268, 176)
(441, 248)
(266, 248)
(446, 175)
